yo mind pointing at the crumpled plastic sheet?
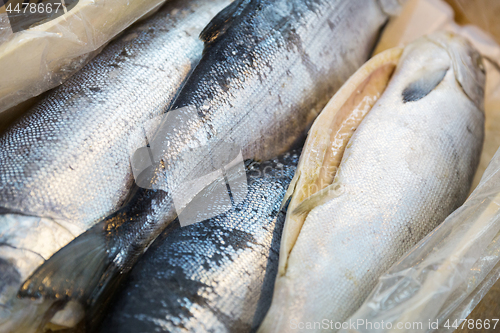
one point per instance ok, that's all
(35, 60)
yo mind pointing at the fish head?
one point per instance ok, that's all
(467, 64)
(421, 138)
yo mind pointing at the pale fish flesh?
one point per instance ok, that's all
(407, 166)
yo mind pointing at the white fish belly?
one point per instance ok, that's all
(405, 169)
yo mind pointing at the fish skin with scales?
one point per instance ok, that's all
(121, 239)
(212, 276)
(408, 165)
(267, 70)
(66, 164)
(82, 135)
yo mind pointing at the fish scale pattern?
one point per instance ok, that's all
(212, 276)
(69, 157)
(258, 86)
(405, 169)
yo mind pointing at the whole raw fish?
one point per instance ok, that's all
(407, 166)
(213, 276)
(66, 164)
(268, 68)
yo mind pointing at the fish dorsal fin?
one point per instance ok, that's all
(222, 21)
(72, 272)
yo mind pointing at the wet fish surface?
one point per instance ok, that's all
(212, 276)
(407, 166)
(66, 164)
(268, 68)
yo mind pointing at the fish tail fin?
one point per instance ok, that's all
(102, 296)
(73, 272)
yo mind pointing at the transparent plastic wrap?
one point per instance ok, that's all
(37, 59)
(437, 284)
(444, 276)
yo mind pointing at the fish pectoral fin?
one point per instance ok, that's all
(319, 198)
(222, 21)
(71, 273)
(327, 141)
(428, 79)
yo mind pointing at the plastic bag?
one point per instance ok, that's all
(35, 60)
(444, 276)
(439, 281)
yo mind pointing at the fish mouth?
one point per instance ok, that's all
(315, 181)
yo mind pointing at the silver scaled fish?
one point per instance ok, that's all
(269, 67)
(389, 158)
(213, 276)
(66, 164)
